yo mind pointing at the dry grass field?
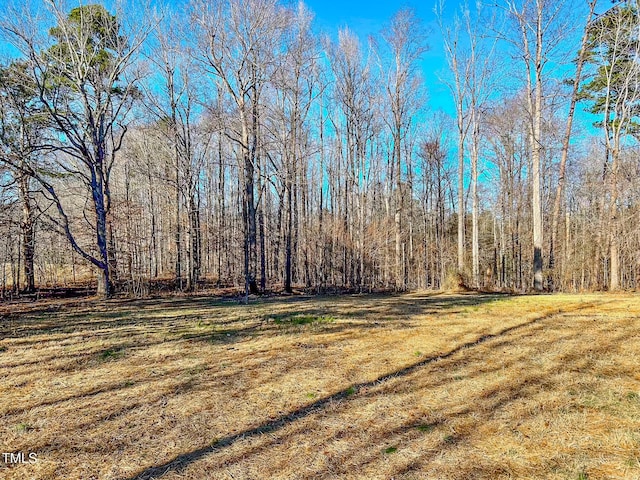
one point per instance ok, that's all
(416, 386)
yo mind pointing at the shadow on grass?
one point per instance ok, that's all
(120, 314)
(486, 405)
(180, 462)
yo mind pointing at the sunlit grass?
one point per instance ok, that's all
(408, 386)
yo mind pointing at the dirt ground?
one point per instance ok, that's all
(415, 386)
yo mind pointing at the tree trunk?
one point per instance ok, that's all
(614, 281)
(461, 205)
(398, 213)
(104, 278)
(557, 203)
(475, 240)
(196, 246)
(536, 153)
(263, 253)
(178, 233)
(27, 230)
(251, 285)
(288, 240)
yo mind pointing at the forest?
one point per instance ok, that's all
(234, 143)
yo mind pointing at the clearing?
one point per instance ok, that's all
(420, 386)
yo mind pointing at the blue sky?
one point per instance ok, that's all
(370, 17)
(360, 15)
(365, 18)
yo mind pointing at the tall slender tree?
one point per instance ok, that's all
(566, 141)
(540, 27)
(238, 43)
(22, 134)
(406, 41)
(80, 72)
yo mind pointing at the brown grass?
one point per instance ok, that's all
(412, 386)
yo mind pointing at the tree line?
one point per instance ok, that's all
(233, 143)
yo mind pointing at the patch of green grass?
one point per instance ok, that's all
(24, 427)
(112, 354)
(417, 353)
(128, 383)
(311, 395)
(389, 450)
(350, 391)
(449, 439)
(426, 427)
(458, 377)
(582, 476)
(632, 396)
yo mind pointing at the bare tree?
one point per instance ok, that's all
(541, 24)
(354, 92)
(22, 127)
(405, 39)
(238, 43)
(174, 102)
(295, 90)
(472, 66)
(85, 80)
(577, 79)
(459, 91)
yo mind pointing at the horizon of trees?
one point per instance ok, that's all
(233, 143)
